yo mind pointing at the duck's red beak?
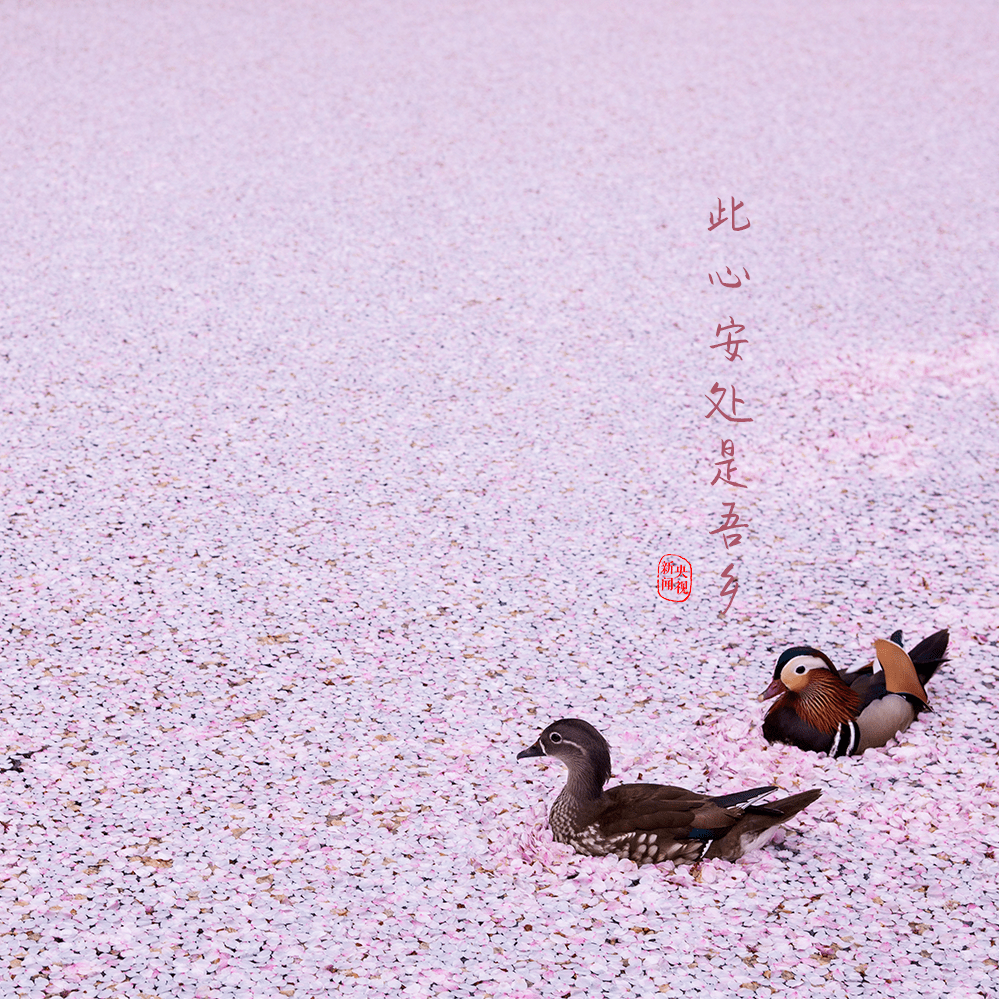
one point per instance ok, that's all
(775, 688)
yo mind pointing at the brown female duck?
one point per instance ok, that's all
(649, 823)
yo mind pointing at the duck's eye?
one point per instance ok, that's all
(555, 737)
(799, 669)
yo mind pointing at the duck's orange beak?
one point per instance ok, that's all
(775, 688)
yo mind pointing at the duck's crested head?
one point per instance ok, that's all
(793, 668)
(577, 744)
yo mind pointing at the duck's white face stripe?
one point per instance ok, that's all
(567, 742)
(794, 675)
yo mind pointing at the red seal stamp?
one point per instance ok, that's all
(674, 578)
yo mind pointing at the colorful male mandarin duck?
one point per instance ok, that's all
(649, 823)
(829, 711)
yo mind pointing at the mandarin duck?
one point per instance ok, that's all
(830, 711)
(649, 823)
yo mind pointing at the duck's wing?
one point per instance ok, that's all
(899, 669)
(650, 823)
(741, 797)
(675, 811)
(851, 678)
(926, 656)
(647, 807)
(868, 686)
(647, 823)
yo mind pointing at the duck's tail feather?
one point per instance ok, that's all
(787, 807)
(757, 826)
(929, 654)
